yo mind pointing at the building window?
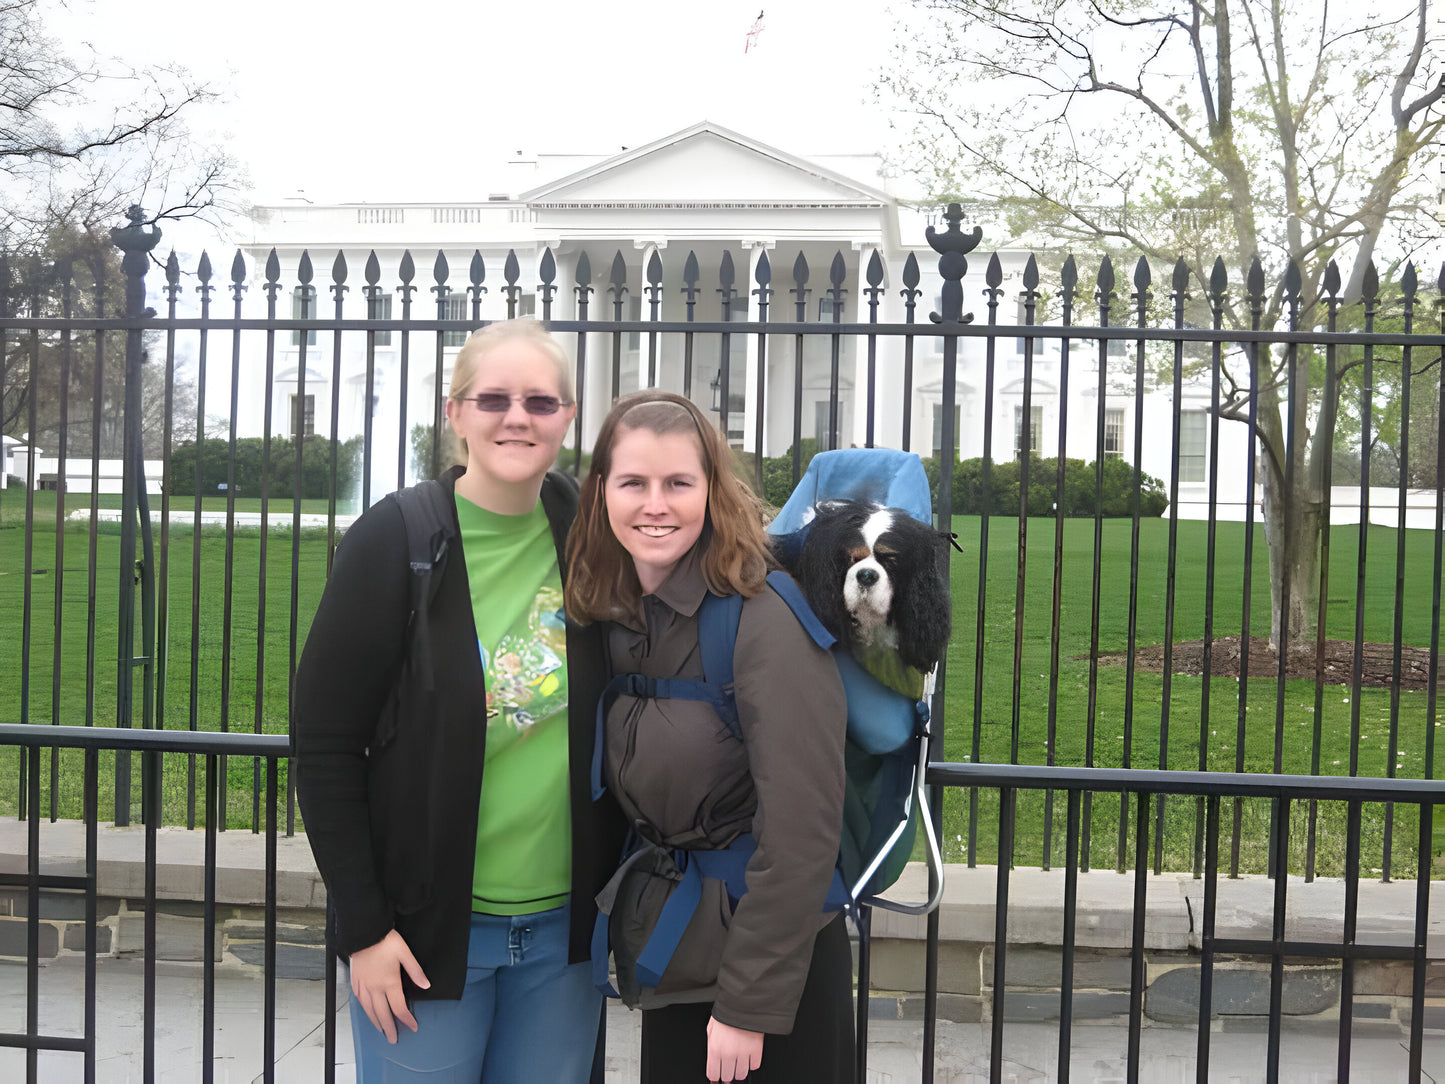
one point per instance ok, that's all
(379, 308)
(830, 309)
(1036, 426)
(1193, 450)
(938, 430)
(304, 306)
(1114, 431)
(303, 415)
(454, 307)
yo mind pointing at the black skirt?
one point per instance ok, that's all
(819, 1050)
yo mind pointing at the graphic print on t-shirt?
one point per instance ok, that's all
(524, 685)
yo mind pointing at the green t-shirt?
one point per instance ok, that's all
(524, 826)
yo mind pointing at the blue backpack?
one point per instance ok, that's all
(886, 750)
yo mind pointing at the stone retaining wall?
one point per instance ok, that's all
(1103, 931)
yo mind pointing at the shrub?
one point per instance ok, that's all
(778, 471)
(250, 467)
(1080, 495)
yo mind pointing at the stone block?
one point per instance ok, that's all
(899, 965)
(1431, 1019)
(184, 908)
(1371, 1010)
(1033, 966)
(960, 1008)
(883, 1008)
(177, 937)
(15, 939)
(75, 938)
(1032, 1005)
(292, 961)
(66, 906)
(1435, 979)
(1384, 978)
(1241, 991)
(286, 932)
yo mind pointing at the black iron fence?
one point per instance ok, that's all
(1100, 646)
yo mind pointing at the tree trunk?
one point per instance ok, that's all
(1294, 559)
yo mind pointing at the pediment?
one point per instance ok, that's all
(1017, 387)
(704, 165)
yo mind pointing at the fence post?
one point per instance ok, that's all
(952, 246)
(136, 241)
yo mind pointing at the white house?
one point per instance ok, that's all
(8, 447)
(705, 191)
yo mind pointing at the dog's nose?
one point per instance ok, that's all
(867, 577)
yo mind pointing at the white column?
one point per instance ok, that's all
(885, 392)
(750, 409)
(648, 249)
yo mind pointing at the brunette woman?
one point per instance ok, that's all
(764, 983)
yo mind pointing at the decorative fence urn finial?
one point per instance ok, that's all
(951, 246)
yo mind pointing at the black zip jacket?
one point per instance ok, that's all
(388, 759)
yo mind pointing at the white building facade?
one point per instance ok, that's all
(712, 194)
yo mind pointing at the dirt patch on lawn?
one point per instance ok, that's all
(1377, 662)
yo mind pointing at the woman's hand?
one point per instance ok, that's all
(731, 1051)
(376, 982)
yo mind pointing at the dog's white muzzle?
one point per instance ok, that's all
(868, 593)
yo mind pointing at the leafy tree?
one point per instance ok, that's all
(1402, 440)
(1296, 134)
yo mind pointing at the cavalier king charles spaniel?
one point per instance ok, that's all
(875, 578)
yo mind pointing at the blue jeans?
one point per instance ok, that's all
(525, 1014)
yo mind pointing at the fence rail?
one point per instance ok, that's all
(1079, 784)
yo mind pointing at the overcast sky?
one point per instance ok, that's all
(391, 100)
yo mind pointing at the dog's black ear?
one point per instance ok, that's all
(921, 613)
(823, 564)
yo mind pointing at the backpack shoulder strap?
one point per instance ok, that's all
(426, 513)
(717, 635)
(786, 588)
(560, 494)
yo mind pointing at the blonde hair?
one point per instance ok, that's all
(601, 578)
(482, 342)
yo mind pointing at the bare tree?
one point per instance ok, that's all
(83, 136)
(1299, 133)
(54, 384)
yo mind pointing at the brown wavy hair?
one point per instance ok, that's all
(602, 582)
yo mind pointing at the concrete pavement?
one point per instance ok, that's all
(1098, 1049)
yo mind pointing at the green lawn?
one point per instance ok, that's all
(234, 680)
(988, 732)
(238, 686)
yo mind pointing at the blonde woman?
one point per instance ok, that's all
(443, 770)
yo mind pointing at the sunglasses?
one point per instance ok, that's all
(494, 402)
